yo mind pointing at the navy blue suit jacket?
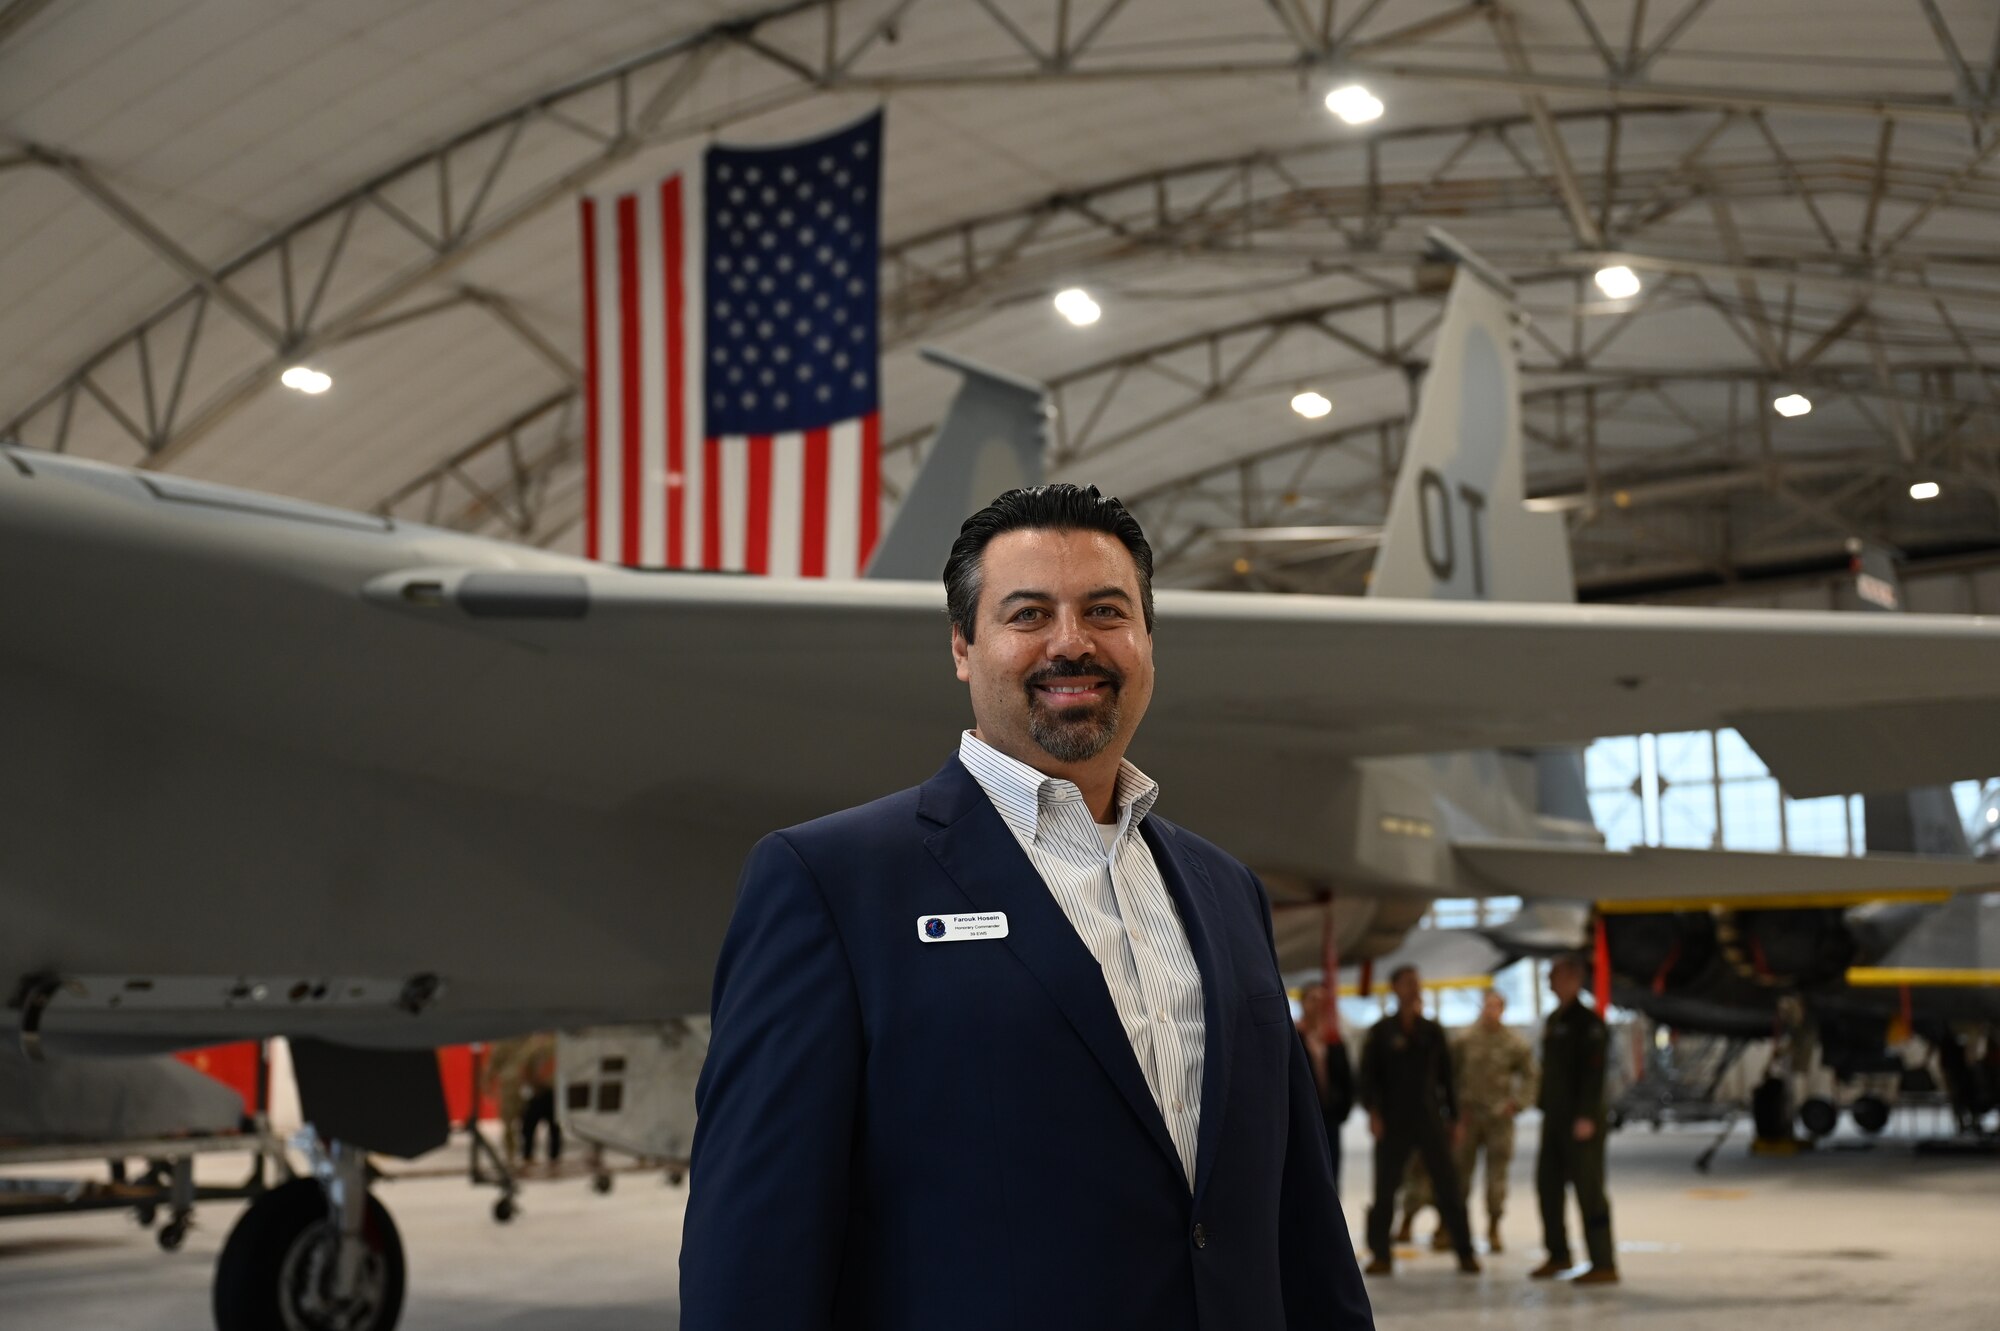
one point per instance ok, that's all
(901, 1136)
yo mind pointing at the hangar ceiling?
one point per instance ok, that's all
(198, 194)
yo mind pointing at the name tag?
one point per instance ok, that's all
(961, 928)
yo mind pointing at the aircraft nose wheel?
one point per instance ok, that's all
(281, 1267)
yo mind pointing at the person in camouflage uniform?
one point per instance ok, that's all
(1495, 1072)
(1573, 1127)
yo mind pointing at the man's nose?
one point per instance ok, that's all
(1071, 638)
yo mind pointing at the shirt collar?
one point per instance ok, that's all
(1021, 794)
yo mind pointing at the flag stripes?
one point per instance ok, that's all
(659, 490)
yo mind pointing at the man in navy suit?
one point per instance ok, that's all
(1008, 1050)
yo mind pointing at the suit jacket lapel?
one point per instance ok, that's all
(976, 848)
(1188, 882)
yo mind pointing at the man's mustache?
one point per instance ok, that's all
(1085, 668)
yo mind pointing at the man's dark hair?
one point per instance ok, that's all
(1401, 971)
(1060, 507)
(1575, 959)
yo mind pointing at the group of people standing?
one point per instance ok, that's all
(1437, 1103)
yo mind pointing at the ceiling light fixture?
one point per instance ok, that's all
(1618, 282)
(1924, 490)
(1075, 305)
(1354, 104)
(1311, 405)
(1792, 404)
(306, 380)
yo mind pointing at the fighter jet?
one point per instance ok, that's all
(1846, 976)
(274, 768)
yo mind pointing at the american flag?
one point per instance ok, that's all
(732, 381)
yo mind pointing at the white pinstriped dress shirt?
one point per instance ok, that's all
(1107, 884)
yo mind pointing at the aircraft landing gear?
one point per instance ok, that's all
(1871, 1114)
(314, 1254)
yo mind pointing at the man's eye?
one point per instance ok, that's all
(1026, 615)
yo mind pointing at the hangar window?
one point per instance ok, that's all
(1703, 790)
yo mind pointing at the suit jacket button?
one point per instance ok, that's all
(1200, 1237)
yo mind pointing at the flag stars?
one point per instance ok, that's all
(789, 301)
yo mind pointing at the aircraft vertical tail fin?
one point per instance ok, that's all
(1457, 529)
(991, 440)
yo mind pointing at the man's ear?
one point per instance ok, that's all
(960, 653)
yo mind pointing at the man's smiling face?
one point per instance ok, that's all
(1061, 665)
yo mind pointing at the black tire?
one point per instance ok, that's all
(1871, 1114)
(503, 1210)
(1819, 1117)
(172, 1235)
(600, 1184)
(264, 1264)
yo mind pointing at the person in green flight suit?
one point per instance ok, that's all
(1573, 1129)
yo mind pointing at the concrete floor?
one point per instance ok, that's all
(1846, 1239)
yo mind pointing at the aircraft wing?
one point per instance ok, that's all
(1834, 703)
(482, 661)
(479, 660)
(1653, 878)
